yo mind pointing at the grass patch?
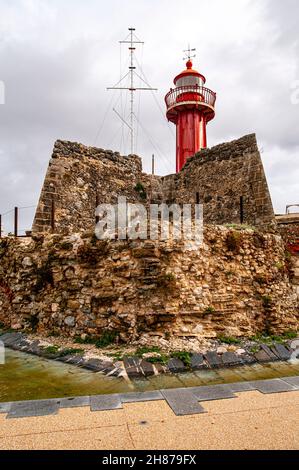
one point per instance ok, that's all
(146, 350)
(183, 356)
(51, 350)
(228, 340)
(107, 338)
(70, 352)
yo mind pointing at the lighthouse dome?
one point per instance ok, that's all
(189, 76)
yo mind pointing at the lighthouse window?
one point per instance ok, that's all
(191, 80)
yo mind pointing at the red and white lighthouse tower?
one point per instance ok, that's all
(190, 106)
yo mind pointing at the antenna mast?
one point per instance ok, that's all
(132, 40)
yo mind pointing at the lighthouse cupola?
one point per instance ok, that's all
(190, 106)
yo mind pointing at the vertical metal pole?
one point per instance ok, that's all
(97, 203)
(241, 210)
(132, 89)
(53, 213)
(0, 226)
(153, 164)
(16, 222)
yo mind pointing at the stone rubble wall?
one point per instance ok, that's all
(79, 176)
(218, 178)
(238, 283)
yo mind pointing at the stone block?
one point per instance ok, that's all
(24, 409)
(105, 402)
(272, 386)
(176, 366)
(182, 402)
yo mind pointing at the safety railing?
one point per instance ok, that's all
(192, 93)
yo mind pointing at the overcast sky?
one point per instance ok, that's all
(57, 57)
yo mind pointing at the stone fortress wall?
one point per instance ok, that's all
(79, 178)
(239, 283)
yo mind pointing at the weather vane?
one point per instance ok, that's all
(189, 53)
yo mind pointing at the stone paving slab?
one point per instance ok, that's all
(74, 402)
(281, 351)
(294, 381)
(213, 359)
(176, 366)
(105, 402)
(24, 409)
(213, 392)
(5, 407)
(198, 362)
(231, 359)
(240, 387)
(272, 386)
(273, 357)
(141, 397)
(147, 368)
(182, 402)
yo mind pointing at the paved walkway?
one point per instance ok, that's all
(253, 420)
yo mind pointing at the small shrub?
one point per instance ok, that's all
(33, 322)
(229, 340)
(290, 335)
(184, 356)
(44, 277)
(267, 301)
(70, 352)
(87, 340)
(139, 188)
(234, 241)
(261, 280)
(163, 359)
(51, 350)
(107, 338)
(146, 350)
(208, 311)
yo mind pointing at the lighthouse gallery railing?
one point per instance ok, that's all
(193, 93)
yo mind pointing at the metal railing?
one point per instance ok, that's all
(190, 93)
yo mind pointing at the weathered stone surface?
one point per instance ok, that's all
(263, 356)
(135, 397)
(214, 360)
(79, 176)
(231, 359)
(213, 392)
(182, 402)
(273, 386)
(294, 381)
(176, 366)
(147, 368)
(105, 402)
(111, 287)
(281, 351)
(74, 402)
(132, 366)
(5, 407)
(33, 408)
(197, 362)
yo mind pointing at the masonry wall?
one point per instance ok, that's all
(238, 283)
(218, 178)
(79, 176)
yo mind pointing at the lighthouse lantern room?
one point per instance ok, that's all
(190, 106)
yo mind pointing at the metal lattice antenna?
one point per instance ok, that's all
(132, 40)
(189, 53)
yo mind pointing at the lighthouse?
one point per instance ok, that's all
(190, 106)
